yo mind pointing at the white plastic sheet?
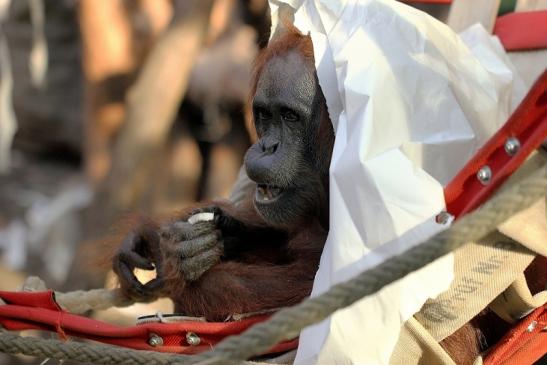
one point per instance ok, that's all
(410, 103)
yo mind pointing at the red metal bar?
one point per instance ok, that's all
(525, 344)
(522, 31)
(528, 125)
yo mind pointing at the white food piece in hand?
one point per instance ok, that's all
(201, 217)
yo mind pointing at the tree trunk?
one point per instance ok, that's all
(151, 107)
(108, 64)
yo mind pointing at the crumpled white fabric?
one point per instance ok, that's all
(410, 103)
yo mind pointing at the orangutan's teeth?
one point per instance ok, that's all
(267, 193)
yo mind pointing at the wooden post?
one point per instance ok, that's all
(108, 63)
(464, 13)
(530, 5)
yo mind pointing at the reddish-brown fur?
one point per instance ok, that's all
(263, 278)
(266, 275)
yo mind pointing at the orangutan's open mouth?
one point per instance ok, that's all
(267, 193)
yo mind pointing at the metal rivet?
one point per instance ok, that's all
(531, 326)
(192, 339)
(155, 340)
(444, 217)
(512, 146)
(484, 175)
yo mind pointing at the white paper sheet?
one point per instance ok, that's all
(410, 103)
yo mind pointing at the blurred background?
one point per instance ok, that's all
(111, 109)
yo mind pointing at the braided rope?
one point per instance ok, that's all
(99, 354)
(289, 322)
(82, 301)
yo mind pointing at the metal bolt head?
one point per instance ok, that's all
(155, 340)
(444, 217)
(484, 175)
(192, 339)
(532, 326)
(512, 146)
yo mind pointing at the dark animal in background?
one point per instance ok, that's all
(263, 253)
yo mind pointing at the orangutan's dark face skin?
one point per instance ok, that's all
(290, 174)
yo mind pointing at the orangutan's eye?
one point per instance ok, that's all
(288, 115)
(263, 114)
